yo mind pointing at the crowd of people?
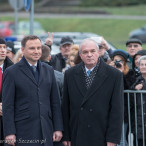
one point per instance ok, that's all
(73, 98)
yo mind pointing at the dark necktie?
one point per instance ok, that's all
(35, 72)
(1, 77)
(34, 68)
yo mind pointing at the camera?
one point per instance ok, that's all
(117, 63)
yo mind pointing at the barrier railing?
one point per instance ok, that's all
(136, 118)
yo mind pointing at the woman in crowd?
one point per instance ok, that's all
(119, 61)
(141, 86)
(135, 65)
(71, 57)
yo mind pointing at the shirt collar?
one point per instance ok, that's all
(2, 67)
(32, 65)
(89, 69)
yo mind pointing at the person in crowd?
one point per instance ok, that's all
(77, 59)
(141, 86)
(31, 107)
(74, 49)
(4, 63)
(10, 50)
(135, 65)
(58, 61)
(92, 100)
(46, 57)
(103, 49)
(18, 56)
(119, 61)
(70, 62)
(133, 46)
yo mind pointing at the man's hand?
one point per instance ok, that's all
(0, 108)
(49, 40)
(105, 44)
(11, 139)
(139, 86)
(66, 143)
(110, 144)
(57, 135)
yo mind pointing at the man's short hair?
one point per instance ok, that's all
(134, 41)
(45, 53)
(28, 37)
(85, 41)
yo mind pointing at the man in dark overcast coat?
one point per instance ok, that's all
(4, 63)
(31, 107)
(92, 103)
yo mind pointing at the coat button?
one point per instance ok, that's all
(91, 110)
(89, 126)
(82, 108)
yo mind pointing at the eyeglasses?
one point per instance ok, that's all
(134, 46)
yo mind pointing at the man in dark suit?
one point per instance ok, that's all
(92, 101)
(46, 57)
(31, 107)
(4, 63)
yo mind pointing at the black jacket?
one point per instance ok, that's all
(58, 62)
(37, 107)
(93, 117)
(7, 63)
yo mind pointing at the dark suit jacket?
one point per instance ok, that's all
(93, 117)
(31, 110)
(7, 63)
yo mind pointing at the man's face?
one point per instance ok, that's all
(10, 55)
(32, 51)
(89, 54)
(3, 52)
(136, 60)
(65, 50)
(133, 48)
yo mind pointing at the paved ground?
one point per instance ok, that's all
(95, 16)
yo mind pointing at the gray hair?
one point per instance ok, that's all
(87, 40)
(141, 58)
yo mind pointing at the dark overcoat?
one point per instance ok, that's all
(93, 117)
(31, 110)
(7, 63)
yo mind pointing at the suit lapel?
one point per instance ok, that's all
(80, 79)
(99, 79)
(25, 69)
(40, 72)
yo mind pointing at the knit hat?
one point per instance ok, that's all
(10, 46)
(134, 41)
(120, 52)
(2, 41)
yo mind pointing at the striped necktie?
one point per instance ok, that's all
(88, 73)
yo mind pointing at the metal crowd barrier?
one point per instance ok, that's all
(136, 99)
